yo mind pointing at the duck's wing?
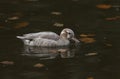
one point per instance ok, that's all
(45, 35)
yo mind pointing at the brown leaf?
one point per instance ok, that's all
(7, 62)
(103, 6)
(87, 35)
(39, 65)
(21, 25)
(88, 40)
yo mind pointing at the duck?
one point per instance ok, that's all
(49, 39)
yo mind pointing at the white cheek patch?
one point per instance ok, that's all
(63, 32)
(68, 36)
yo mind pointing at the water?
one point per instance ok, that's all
(98, 30)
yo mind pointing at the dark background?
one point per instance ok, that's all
(94, 59)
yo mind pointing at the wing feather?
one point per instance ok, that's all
(45, 35)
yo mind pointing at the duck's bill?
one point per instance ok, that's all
(76, 40)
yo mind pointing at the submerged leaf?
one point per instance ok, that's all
(21, 25)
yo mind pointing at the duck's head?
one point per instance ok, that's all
(68, 34)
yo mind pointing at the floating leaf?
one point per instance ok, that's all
(87, 35)
(7, 62)
(13, 18)
(39, 65)
(58, 24)
(103, 6)
(21, 25)
(91, 54)
(56, 13)
(87, 40)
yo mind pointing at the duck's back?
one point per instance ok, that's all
(45, 35)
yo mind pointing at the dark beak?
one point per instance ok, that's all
(76, 40)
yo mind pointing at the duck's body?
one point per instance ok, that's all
(48, 39)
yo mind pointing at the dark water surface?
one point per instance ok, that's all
(98, 56)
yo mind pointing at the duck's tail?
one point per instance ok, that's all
(25, 41)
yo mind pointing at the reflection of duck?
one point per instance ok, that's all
(49, 39)
(48, 53)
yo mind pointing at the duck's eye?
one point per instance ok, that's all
(69, 33)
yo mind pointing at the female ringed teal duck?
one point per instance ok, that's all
(49, 39)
